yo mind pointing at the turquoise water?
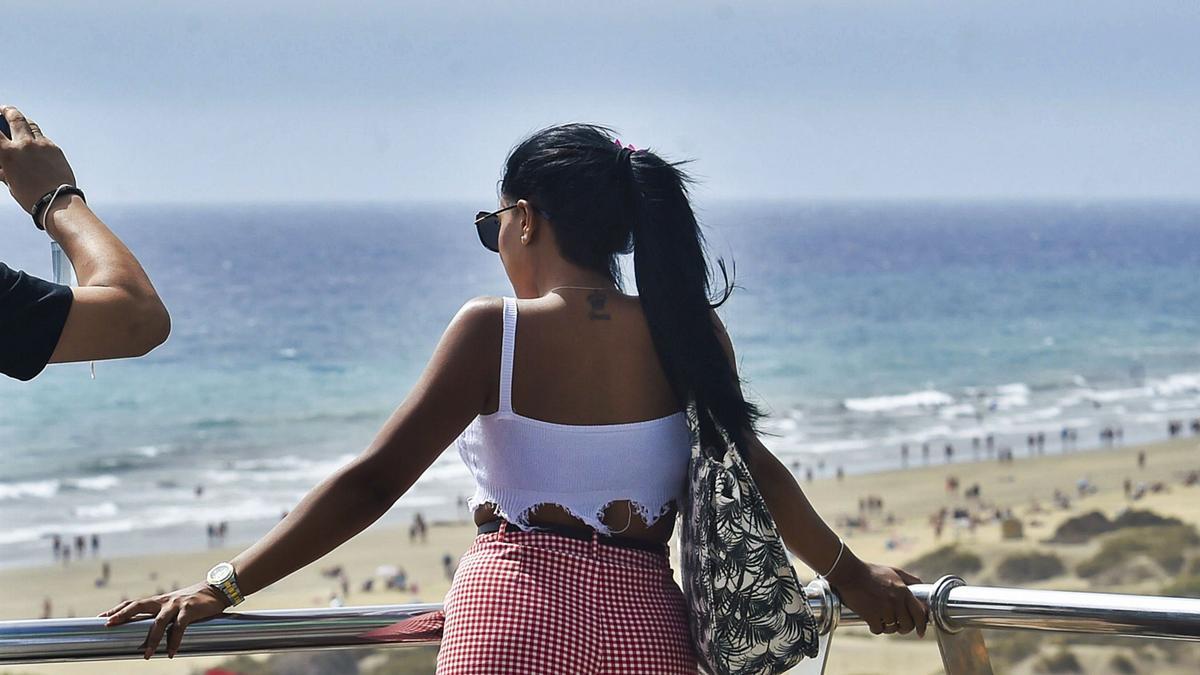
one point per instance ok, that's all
(861, 326)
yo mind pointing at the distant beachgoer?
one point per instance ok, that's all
(840, 473)
(344, 581)
(95, 545)
(46, 607)
(949, 452)
(904, 454)
(1141, 459)
(56, 544)
(808, 474)
(585, 355)
(1196, 426)
(1128, 484)
(1030, 441)
(448, 566)
(925, 452)
(1041, 443)
(80, 546)
(990, 442)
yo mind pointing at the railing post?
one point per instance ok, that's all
(827, 609)
(963, 650)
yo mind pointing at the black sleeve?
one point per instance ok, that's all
(32, 315)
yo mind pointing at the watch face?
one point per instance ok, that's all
(221, 573)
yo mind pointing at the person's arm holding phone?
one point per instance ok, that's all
(115, 311)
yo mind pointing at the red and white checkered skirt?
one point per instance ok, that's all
(538, 602)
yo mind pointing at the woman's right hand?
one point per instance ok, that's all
(30, 163)
(173, 611)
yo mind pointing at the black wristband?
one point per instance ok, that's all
(42, 204)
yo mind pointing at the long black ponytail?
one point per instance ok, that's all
(604, 199)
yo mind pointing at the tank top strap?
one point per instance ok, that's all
(507, 346)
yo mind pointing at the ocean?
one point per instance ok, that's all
(859, 326)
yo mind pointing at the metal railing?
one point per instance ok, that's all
(959, 612)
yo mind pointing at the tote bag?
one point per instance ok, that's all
(748, 611)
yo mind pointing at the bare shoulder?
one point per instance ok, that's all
(479, 320)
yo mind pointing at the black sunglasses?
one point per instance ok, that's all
(487, 224)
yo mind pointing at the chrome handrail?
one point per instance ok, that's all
(958, 612)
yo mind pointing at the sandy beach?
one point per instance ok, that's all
(909, 497)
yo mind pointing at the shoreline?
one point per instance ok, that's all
(894, 535)
(245, 532)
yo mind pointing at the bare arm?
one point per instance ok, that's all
(877, 592)
(450, 393)
(116, 312)
(453, 389)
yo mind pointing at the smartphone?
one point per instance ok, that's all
(4, 128)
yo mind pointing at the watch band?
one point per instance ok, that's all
(231, 592)
(44, 203)
(223, 579)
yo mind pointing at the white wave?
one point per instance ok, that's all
(929, 398)
(97, 483)
(67, 529)
(1040, 414)
(43, 489)
(1174, 385)
(1111, 395)
(847, 445)
(960, 410)
(1178, 404)
(101, 510)
(1013, 389)
(282, 462)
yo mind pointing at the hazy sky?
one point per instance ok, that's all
(220, 101)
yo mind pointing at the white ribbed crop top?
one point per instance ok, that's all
(520, 462)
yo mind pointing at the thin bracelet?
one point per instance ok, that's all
(42, 206)
(841, 550)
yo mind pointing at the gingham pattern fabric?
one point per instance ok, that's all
(540, 603)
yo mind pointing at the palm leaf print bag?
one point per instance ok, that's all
(748, 611)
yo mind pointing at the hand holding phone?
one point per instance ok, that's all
(34, 166)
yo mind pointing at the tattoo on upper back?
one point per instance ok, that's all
(597, 299)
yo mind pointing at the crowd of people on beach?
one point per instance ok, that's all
(62, 548)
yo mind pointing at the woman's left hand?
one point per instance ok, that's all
(880, 595)
(173, 612)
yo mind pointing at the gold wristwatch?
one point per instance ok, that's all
(222, 578)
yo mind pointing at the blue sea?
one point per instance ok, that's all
(860, 327)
